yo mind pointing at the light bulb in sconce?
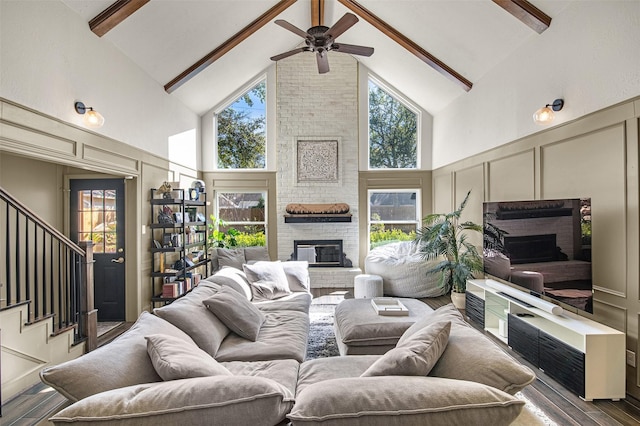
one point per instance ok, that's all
(545, 115)
(91, 118)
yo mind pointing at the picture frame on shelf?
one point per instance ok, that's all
(177, 217)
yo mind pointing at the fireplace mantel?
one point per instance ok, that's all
(316, 218)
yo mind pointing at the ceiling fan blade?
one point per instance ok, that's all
(352, 49)
(289, 53)
(343, 24)
(284, 24)
(323, 62)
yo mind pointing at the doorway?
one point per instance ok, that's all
(97, 213)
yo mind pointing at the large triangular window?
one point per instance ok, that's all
(393, 130)
(242, 132)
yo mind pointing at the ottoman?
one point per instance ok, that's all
(366, 286)
(361, 331)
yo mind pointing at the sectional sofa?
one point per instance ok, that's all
(202, 360)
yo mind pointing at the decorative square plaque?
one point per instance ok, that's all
(317, 161)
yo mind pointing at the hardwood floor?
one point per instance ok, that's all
(560, 406)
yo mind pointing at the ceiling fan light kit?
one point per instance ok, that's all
(321, 39)
(545, 115)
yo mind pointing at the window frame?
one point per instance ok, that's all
(411, 106)
(418, 212)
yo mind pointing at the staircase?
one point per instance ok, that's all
(46, 297)
(28, 348)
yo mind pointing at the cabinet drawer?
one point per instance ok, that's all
(475, 308)
(562, 362)
(523, 338)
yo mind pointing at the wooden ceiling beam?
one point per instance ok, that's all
(408, 44)
(113, 15)
(530, 15)
(317, 12)
(225, 47)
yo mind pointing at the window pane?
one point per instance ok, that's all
(241, 128)
(241, 217)
(393, 139)
(393, 206)
(393, 217)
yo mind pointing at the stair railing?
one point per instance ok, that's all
(42, 268)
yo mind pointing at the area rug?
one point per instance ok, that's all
(322, 340)
(322, 344)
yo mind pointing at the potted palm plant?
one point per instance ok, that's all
(444, 237)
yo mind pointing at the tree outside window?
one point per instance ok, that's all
(393, 216)
(393, 133)
(241, 127)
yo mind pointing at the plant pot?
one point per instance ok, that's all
(458, 300)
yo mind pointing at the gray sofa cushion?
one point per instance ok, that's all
(368, 401)
(230, 257)
(173, 359)
(416, 355)
(296, 301)
(283, 335)
(337, 367)
(283, 371)
(191, 316)
(472, 356)
(234, 278)
(218, 400)
(123, 362)
(236, 312)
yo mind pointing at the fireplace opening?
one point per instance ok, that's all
(532, 248)
(319, 252)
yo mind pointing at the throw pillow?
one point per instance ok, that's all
(230, 257)
(233, 309)
(472, 356)
(190, 316)
(175, 359)
(297, 273)
(256, 253)
(416, 356)
(267, 279)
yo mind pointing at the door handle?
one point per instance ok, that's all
(118, 260)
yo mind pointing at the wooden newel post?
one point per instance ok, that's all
(89, 313)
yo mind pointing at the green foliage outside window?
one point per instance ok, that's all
(242, 132)
(392, 132)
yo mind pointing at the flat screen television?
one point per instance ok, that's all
(543, 247)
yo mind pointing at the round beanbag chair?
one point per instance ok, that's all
(403, 270)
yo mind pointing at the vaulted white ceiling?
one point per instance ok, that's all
(166, 37)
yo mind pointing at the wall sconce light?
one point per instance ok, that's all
(546, 114)
(92, 118)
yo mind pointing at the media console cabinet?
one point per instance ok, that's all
(585, 356)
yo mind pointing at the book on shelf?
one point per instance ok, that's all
(171, 290)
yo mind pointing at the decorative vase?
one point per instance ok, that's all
(458, 300)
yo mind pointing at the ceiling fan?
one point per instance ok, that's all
(321, 39)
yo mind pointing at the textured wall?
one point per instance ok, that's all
(311, 106)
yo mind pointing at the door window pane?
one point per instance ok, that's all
(97, 219)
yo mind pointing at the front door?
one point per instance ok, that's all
(97, 214)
